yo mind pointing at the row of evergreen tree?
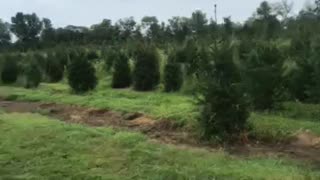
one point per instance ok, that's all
(231, 69)
(251, 74)
(79, 67)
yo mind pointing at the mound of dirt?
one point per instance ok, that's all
(306, 139)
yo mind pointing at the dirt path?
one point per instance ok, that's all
(305, 147)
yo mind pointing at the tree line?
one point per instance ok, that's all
(230, 68)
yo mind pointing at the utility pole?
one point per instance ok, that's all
(215, 13)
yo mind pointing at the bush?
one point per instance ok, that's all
(146, 74)
(121, 73)
(264, 76)
(173, 76)
(10, 70)
(81, 74)
(92, 55)
(32, 76)
(312, 72)
(38, 58)
(55, 68)
(109, 56)
(224, 109)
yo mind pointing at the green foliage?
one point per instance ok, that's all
(26, 27)
(188, 55)
(121, 72)
(173, 78)
(173, 75)
(305, 58)
(81, 74)
(224, 108)
(313, 88)
(146, 74)
(5, 37)
(92, 55)
(300, 111)
(263, 75)
(55, 67)
(32, 75)
(10, 69)
(38, 58)
(48, 33)
(199, 22)
(109, 56)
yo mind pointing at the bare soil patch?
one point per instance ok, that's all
(305, 146)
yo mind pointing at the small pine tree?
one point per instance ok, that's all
(312, 72)
(55, 68)
(81, 74)
(173, 76)
(32, 75)
(38, 58)
(224, 109)
(146, 74)
(121, 72)
(92, 55)
(109, 56)
(10, 70)
(264, 76)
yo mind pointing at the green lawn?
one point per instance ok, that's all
(157, 104)
(36, 147)
(181, 108)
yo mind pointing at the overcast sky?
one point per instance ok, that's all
(88, 12)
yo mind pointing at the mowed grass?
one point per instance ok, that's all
(156, 104)
(36, 147)
(278, 126)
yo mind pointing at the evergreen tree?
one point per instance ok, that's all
(32, 75)
(264, 75)
(92, 55)
(173, 76)
(224, 108)
(81, 74)
(121, 72)
(146, 74)
(55, 67)
(109, 56)
(10, 70)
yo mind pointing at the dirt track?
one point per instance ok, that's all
(304, 147)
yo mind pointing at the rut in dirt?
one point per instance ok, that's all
(305, 147)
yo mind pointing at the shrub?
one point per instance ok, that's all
(146, 74)
(62, 56)
(121, 72)
(39, 59)
(173, 76)
(264, 76)
(92, 55)
(81, 74)
(109, 56)
(32, 75)
(55, 68)
(10, 70)
(224, 109)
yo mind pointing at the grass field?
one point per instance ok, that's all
(159, 105)
(36, 147)
(276, 126)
